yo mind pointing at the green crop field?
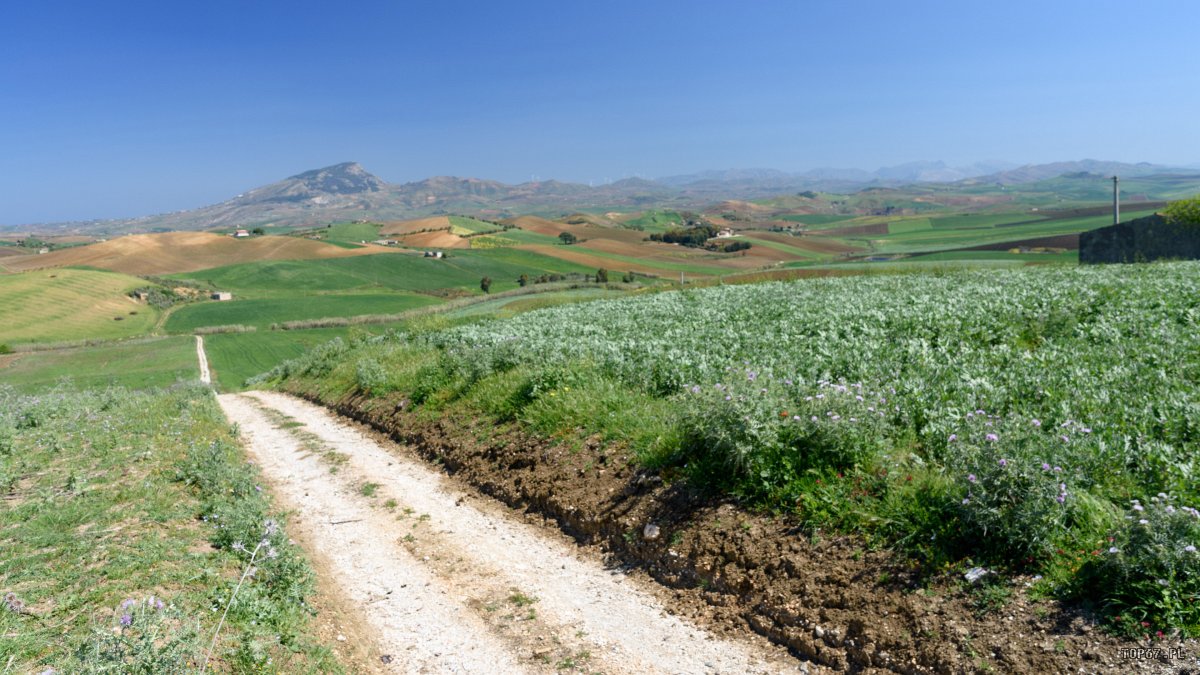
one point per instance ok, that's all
(398, 272)
(139, 364)
(235, 357)
(655, 221)
(815, 220)
(937, 239)
(263, 312)
(997, 416)
(512, 237)
(71, 304)
(350, 233)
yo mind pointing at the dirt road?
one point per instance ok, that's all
(205, 375)
(445, 580)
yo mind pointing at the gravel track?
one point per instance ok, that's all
(449, 581)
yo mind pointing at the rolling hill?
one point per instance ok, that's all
(172, 252)
(348, 192)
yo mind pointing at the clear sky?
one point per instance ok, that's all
(113, 108)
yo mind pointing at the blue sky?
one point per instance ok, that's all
(126, 108)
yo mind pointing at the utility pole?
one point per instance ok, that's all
(1116, 200)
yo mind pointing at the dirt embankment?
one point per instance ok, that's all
(828, 599)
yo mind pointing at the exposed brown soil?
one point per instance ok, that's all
(829, 599)
(1067, 241)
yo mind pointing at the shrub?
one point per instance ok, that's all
(370, 376)
(567, 238)
(1149, 576)
(1185, 211)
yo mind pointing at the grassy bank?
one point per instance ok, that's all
(129, 519)
(999, 417)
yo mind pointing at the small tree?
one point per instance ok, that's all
(567, 238)
(523, 280)
(258, 230)
(602, 276)
(1185, 211)
(486, 284)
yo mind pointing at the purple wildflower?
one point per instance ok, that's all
(971, 477)
(1113, 550)
(1060, 498)
(1065, 438)
(1138, 507)
(126, 620)
(953, 437)
(1003, 462)
(1189, 548)
(1045, 466)
(1036, 423)
(992, 437)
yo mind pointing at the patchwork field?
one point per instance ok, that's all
(70, 304)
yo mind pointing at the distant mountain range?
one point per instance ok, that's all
(349, 192)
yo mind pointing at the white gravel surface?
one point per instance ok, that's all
(451, 582)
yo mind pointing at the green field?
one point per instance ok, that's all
(395, 272)
(138, 364)
(234, 357)
(352, 234)
(939, 239)
(655, 221)
(512, 237)
(263, 312)
(71, 304)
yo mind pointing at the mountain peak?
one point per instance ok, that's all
(340, 179)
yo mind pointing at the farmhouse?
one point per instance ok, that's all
(434, 254)
(241, 233)
(222, 295)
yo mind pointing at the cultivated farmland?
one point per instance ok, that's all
(1038, 420)
(70, 304)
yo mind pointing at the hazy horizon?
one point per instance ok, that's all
(150, 108)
